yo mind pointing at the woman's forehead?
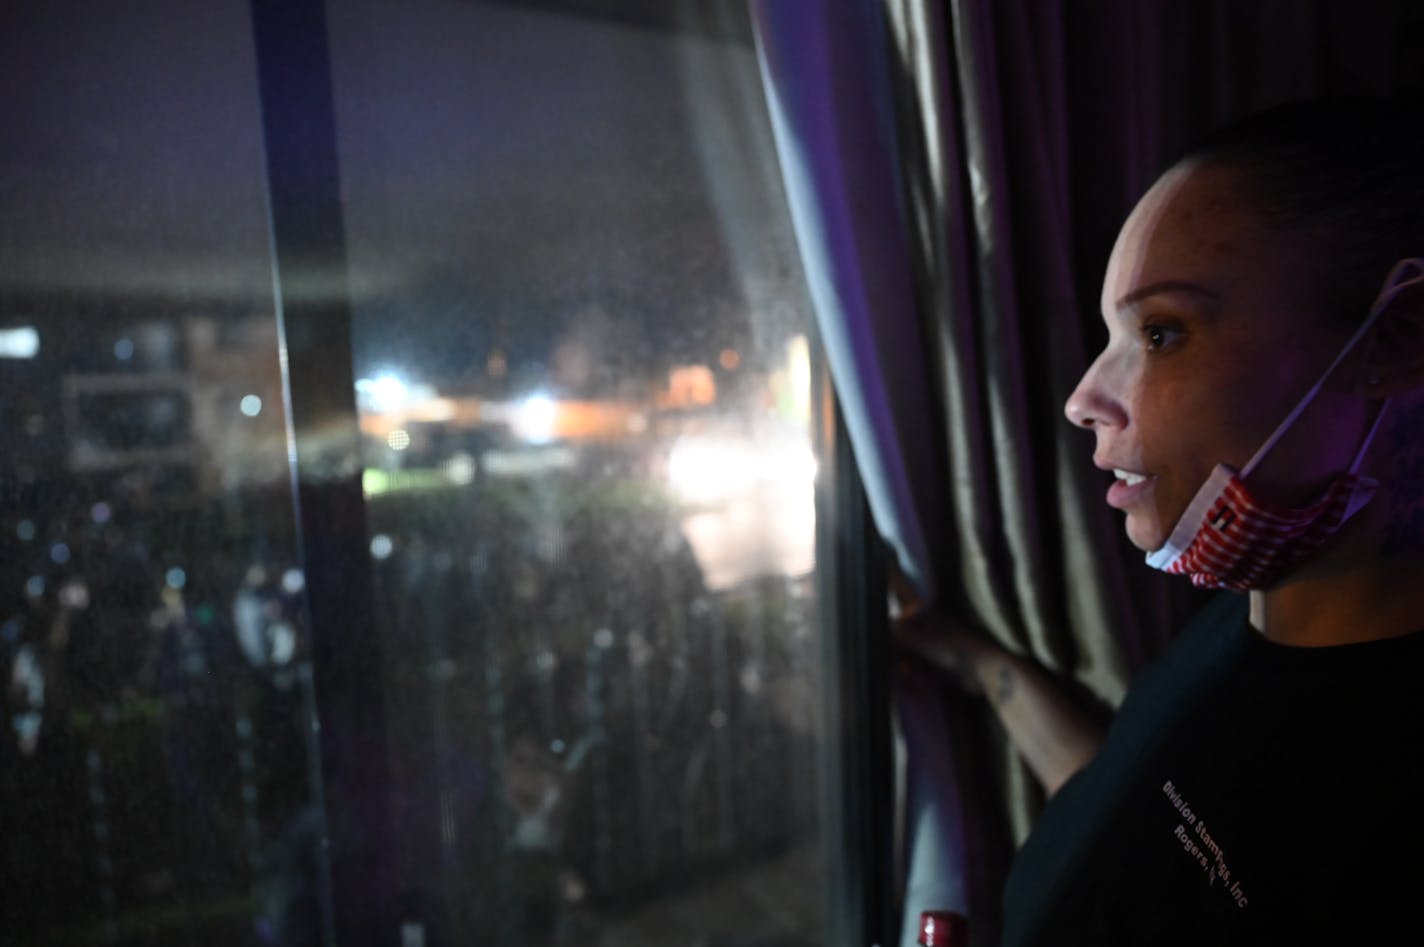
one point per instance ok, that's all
(1194, 225)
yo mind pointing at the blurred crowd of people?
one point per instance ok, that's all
(558, 680)
(152, 715)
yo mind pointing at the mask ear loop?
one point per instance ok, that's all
(1400, 278)
(1370, 437)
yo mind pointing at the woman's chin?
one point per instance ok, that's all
(1147, 536)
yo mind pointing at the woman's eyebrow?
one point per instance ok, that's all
(1166, 286)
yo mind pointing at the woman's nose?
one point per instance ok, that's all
(1092, 404)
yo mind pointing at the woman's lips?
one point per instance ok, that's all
(1128, 488)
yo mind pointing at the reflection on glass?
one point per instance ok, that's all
(155, 699)
(581, 335)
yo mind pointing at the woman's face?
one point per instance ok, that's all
(1212, 339)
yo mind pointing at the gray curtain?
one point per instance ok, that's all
(829, 78)
(958, 170)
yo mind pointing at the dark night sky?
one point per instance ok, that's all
(130, 162)
(510, 176)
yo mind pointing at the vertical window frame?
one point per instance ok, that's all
(857, 780)
(313, 308)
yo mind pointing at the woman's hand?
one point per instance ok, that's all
(947, 644)
(1052, 733)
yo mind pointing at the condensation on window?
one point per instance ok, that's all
(582, 351)
(583, 361)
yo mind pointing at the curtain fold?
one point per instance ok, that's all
(989, 176)
(826, 72)
(830, 95)
(957, 171)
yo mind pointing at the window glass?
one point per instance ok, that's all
(154, 727)
(581, 339)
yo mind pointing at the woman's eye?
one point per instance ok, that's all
(1158, 336)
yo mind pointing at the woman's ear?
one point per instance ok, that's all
(1393, 362)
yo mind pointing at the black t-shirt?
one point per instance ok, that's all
(1248, 793)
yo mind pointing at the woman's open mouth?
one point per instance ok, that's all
(1128, 488)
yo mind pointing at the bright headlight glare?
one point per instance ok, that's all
(710, 470)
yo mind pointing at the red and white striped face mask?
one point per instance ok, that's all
(1227, 538)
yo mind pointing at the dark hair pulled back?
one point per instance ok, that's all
(1344, 179)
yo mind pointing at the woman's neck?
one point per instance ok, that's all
(1344, 600)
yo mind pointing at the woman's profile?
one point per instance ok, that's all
(1260, 405)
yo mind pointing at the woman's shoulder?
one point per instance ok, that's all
(1214, 639)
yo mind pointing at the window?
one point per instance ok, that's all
(581, 338)
(569, 393)
(155, 747)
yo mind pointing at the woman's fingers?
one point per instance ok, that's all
(944, 643)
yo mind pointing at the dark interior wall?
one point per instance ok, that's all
(1147, 79)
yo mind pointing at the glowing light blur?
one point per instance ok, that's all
(751, 503)
(374, 482)
(705, 469)
(791, 463)
(74, 595)
(689, 386)
(708, 469)
(534, 419)
(23, 342)
(251, 405)
(460, 468)
(284, 642)
(383, 393)
(399, 439)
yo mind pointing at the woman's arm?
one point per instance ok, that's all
(1052, 733)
